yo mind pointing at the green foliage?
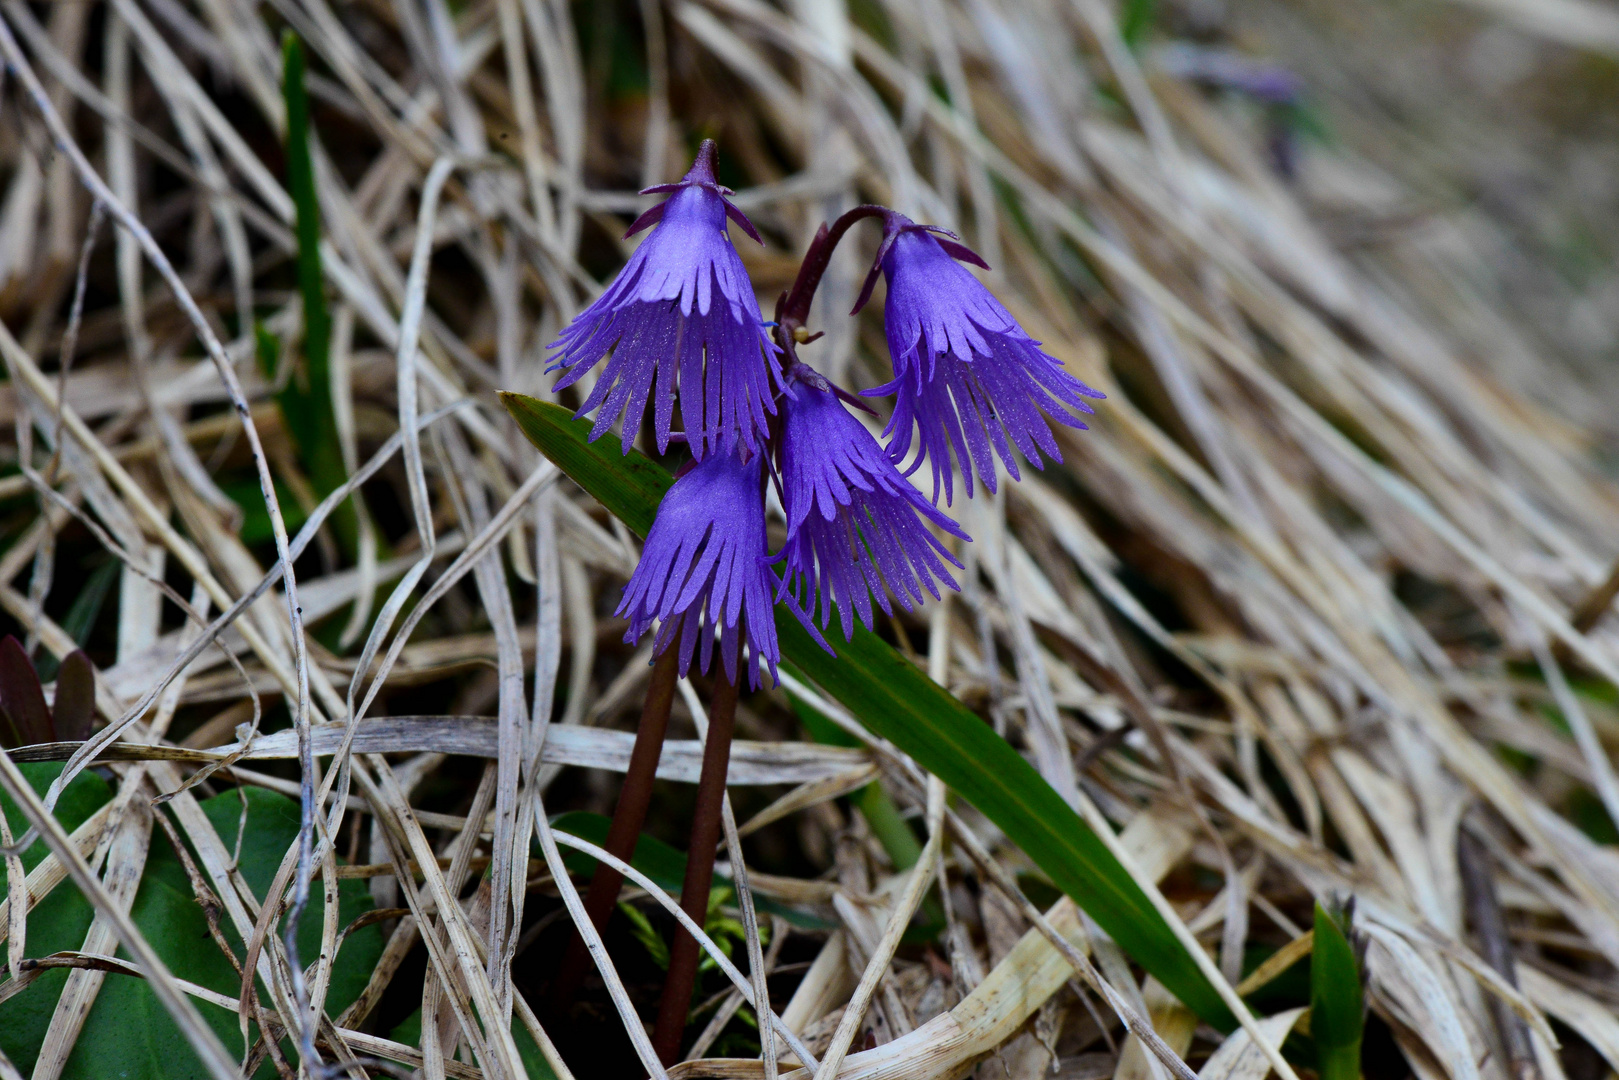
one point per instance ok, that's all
(1135, 20)
(306, 398)
(641, 930)
(1337, 1005)
(897, 701)
(128, 1035)
(81, 616)
(725, 931)
(255, 518)
(665, 865)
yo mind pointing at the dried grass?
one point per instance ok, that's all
(1325, 564)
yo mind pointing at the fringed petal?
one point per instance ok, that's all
(968, 382)
(857, 529)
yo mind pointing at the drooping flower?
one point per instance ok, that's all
(966, 376)
(856, 528)
(704, 568)
(681, 316)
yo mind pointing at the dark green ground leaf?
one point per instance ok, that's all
(128, 1034)
(895, 700)
(59, 922)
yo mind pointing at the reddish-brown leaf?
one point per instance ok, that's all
(75, 707)
(21, 696)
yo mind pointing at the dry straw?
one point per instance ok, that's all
(1291, 619)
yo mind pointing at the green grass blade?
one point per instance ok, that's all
(1136, 20)
(897, 701)
(1337, 1006)
(306, 403)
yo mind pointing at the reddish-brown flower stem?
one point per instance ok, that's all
(792, 309)
(628, 817)
(684, 952)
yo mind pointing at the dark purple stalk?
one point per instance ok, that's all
(628, 817)
(792, 308)
(684, 952)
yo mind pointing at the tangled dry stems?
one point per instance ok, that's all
(1317, 564)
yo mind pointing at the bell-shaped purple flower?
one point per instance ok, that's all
(680, 317)
(855, 526)
(966, 376)
(704, 569)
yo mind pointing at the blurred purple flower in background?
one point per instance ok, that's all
(966, 376)
(855, 526)
(682, 316)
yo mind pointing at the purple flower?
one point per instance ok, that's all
(704, 568)
(855, 526)
(966, 376)
(681, 309)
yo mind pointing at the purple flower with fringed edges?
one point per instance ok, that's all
(855, 527)
(704, 569)
(966, 376)
(681, 314)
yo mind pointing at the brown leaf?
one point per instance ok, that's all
(75, 707)
(21, 697)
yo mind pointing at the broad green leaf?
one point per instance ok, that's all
(128, 1034)
(1337, 1006)
(897, 701)
(59, 922)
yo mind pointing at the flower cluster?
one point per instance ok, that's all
(680, 324)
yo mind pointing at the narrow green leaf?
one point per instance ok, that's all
(897, 701)
(1337, 1006)
(630, 487)
(641, 930)
(86, 607)
(306, 403)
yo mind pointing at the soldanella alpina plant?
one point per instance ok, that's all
(680, 326)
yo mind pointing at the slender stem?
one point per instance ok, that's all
(705, 837)
(628, 818)
(793, 308)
